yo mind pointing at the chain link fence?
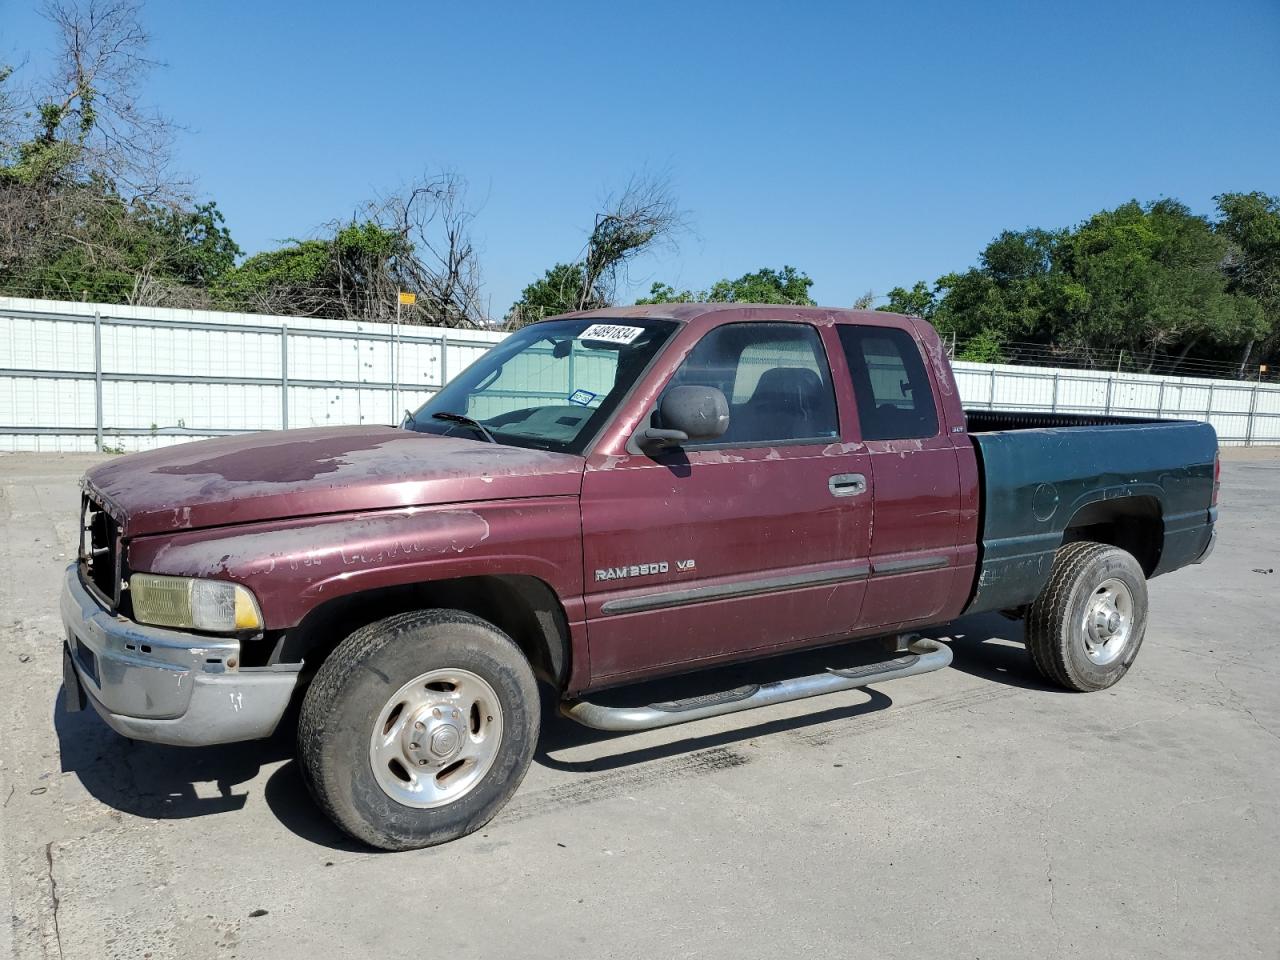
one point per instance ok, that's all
(1077, 357)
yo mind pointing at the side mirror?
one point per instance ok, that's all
(688, 413)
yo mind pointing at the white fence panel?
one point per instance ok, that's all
(165, 376)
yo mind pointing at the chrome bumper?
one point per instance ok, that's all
(167, 686)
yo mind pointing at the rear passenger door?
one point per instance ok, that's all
(915, 482)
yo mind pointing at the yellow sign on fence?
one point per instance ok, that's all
(408, 299)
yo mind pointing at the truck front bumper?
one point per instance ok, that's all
(162, 685)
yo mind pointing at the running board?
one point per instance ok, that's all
(924, 655)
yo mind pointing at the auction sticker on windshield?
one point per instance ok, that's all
(610, 333)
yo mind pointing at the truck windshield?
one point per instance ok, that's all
(550, 385)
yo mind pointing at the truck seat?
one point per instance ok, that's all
(787, 402)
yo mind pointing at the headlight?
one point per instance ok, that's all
(212, 605)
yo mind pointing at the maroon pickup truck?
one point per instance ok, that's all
(604, 498)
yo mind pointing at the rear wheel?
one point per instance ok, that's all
(417, 729)
(1087, 625)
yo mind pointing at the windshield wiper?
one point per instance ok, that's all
(466, 421)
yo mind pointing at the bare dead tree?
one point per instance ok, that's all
(865, 301)
(91, 104)
(416, 240)
(433, 216)
(12, 113)
(643, 216)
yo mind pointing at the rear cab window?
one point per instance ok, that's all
(890, 383)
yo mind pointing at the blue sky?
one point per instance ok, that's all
(871, 145)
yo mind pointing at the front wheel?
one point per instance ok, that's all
(1085, 628)
(418, 728)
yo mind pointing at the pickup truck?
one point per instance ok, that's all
(603, 498)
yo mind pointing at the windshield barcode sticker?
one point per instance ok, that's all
(610, 333)
(582, 397)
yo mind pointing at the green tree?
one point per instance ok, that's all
(1251, 224)
(1146, 279)
(919, 301)
(1149, 279)
(559, 290)
(765, 285)
(92, 244)
(984, 348)
(196, 244)
(1013, 294)
(356, 273)
(665, 293)
(84, 211)
(276, 276)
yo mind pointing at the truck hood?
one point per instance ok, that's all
(298, 473)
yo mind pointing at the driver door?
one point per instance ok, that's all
(754, 541)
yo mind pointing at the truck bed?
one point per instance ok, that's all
(1047, 477)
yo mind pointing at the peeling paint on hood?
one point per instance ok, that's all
(296, 473)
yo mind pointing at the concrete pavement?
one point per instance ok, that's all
(972, 812)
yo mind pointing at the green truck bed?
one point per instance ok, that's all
(1050, 477)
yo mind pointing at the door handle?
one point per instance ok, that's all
(847, 484)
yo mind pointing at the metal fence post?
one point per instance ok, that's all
(1208, 413)
(284, 376)
(359, 376)
(1111, 382)
(1253, 408)
(1160, 402)
(97, 378)
(395, 371)
(991, 403)
(444, 359)
(1053, 406)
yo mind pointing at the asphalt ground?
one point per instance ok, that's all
(971, 812)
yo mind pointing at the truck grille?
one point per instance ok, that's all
(100, 550)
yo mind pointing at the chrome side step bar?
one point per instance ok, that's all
(923, 656)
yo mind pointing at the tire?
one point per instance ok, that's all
(448, 757)
(1085, 628)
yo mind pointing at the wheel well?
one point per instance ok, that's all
(523, 607)
(1133, 524)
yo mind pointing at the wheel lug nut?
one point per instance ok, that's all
(436, 712)
(413, 746)
(417, 725)
(422, 763)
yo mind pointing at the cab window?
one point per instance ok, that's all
(550, 385)
(890, 383)
(775, 377)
